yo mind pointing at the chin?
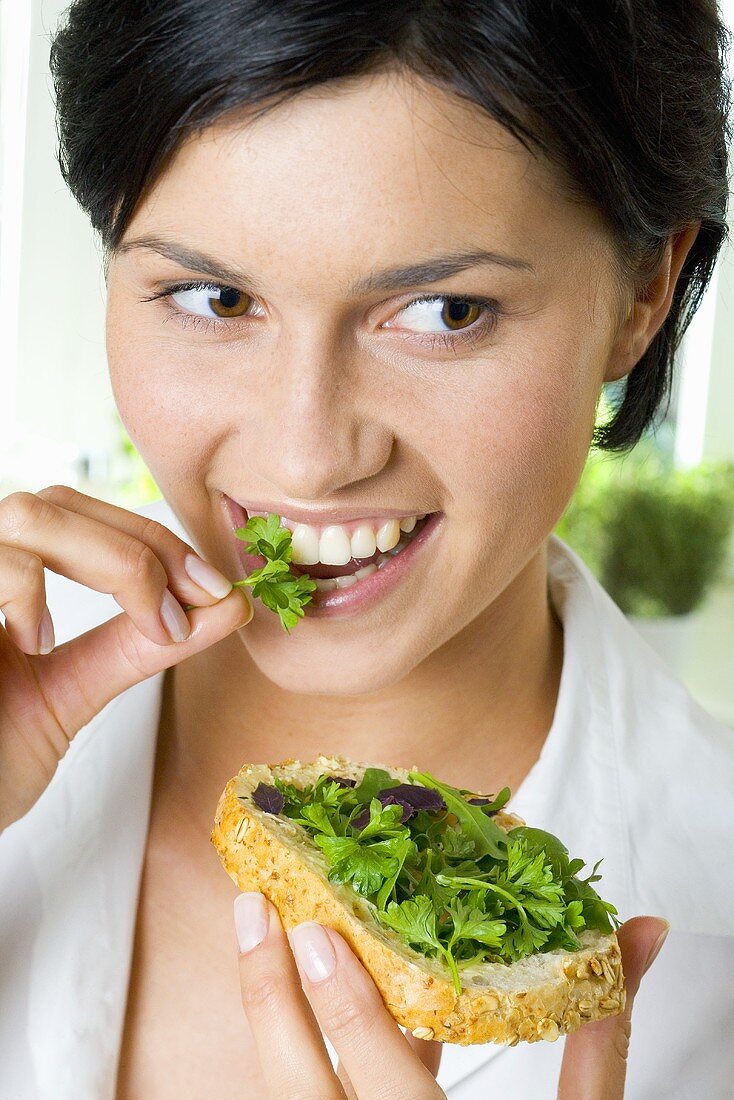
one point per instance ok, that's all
(312, 669)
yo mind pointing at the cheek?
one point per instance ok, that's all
(170, 408)
(521, 443)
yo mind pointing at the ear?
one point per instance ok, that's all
(650, 307)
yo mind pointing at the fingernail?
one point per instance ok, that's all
(248, 596)
(173, 618)
(207, 577)
(45, 632)
(250, 920)
(656, 948)
(313, 950)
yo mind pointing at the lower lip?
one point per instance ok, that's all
(342, 602)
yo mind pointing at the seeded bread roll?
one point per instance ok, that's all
(538, 997)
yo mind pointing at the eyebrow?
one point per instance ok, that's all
(426, 271)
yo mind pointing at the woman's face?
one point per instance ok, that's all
(297, 390)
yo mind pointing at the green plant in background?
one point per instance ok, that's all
(656, 537)
(139, 486)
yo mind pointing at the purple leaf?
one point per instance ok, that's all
(388, 798)
(419, 798)
(342, 781)
(478, 801)
(269, 799)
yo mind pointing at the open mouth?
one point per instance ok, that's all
(364, 559)
(329, 577)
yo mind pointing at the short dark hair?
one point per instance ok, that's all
(630, 98)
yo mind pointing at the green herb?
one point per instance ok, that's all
(279, 589)
(450, 882)
(488, 837)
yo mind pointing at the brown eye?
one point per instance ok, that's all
(441, 315)
(230, 303)
(459, 313)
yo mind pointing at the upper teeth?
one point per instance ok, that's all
(334, 545)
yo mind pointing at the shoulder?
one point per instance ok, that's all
(674, 762)
(74, 607)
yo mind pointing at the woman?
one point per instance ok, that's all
(364, 263)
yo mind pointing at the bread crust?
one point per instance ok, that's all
(540, 997)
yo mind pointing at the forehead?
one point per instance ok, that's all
(382, 165)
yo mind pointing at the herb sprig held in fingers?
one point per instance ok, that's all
(279, 589)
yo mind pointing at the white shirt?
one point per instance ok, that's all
(632, 770)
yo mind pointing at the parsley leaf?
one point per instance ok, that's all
(274, 584)
(530, 900)
(472, 923)
(382, 819)
(373, 780)
(415, 920)
(367, 866)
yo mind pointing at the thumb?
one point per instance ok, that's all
(595, 1057)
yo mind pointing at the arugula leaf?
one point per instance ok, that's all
(274, 584)
(596, 913)
(486, 834)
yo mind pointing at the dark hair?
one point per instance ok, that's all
(628, 97)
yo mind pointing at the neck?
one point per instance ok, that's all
(475, 713)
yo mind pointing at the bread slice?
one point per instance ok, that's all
(538, 997)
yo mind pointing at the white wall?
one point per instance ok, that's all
(719, 426)
(63, 397)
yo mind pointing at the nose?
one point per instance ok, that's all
(319, 426)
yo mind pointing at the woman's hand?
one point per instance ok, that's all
(375, 1058)
(595, 1057)
(284, 997)
(47, 694)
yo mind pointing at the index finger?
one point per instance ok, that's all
(289, 1043)
(376, 1056)
(195, 582)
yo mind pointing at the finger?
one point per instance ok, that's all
(22, 596)
(428, 1051)
(106, 559)
(83, 675)
(375, 1054)
(191, 579)
(595, 1057)
(345, 1082)
(289, 1043)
